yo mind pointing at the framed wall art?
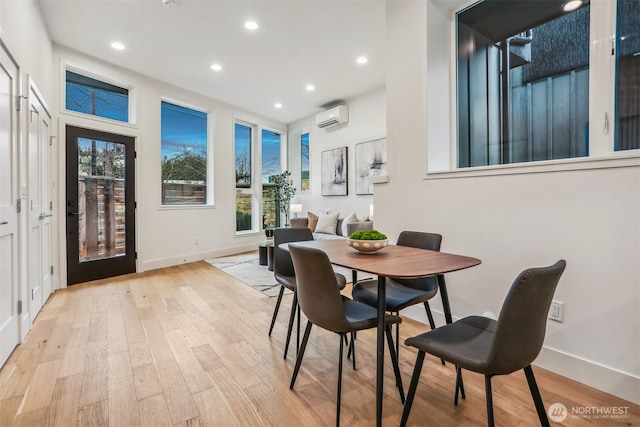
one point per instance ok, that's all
(371, 160)
(334, 172)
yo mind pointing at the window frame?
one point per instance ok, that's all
(132, 95)
(602, 155)
(209, 182)
(283, 160)
(251, 190)
(303, 133)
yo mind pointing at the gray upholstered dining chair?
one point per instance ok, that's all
(320, 300)
(402, 293)
(491, 347)
(284, 274)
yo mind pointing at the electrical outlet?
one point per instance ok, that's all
(197, 241)
(557, 311)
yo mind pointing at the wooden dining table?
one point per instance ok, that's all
(395, 262)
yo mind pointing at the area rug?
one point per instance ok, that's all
(246, 268)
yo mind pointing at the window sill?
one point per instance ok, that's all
(622, 159)
(248, 233)
(184, 207)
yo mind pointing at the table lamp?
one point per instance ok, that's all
(295, 208)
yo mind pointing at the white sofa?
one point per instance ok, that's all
(351, 227)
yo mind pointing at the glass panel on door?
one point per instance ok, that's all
(101, 202)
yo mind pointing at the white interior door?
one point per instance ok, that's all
(9, 318)
(39, 206)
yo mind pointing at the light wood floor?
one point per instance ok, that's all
(188, 346)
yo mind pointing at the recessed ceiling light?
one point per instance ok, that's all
(571, 5)
(117, 46)
(362, 60)
(310, 88)
(216, 67)
(277, 105)
(251, 25)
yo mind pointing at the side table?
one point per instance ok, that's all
(270, 249)
(262, 254)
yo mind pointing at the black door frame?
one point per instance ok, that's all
(77, 271)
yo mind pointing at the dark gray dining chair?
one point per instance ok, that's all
(491, 347)
(402, 293)
(285, 275)
(323, 305)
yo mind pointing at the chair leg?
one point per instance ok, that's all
(352, 349)
(458, 381)
(459, 385)
(294, 308)
(412, 388)
(275, 310)
(535, 394)
(394, 362)
(398, 336)
(442, 287)
(462, 386)
(298, 331)
(339, 380)
(487, 386)
(432, 322)
(303, 346)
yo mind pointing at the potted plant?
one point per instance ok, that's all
(367, 241)
(269, 222)
(282, 191)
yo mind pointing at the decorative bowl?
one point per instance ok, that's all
(367, 246)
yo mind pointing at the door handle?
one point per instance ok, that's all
(75, 213)
(4, 222)
(43, 216)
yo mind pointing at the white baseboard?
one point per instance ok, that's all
(604, 378)
(620, 384)
(193, 257)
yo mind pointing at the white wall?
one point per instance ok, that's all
(367, 121)
(23, 32)
(589, 217)
(167, 236)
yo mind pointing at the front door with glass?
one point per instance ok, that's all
(100, 205)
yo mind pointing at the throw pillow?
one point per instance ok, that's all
(348, 220)
(313, 221)
(327, 223)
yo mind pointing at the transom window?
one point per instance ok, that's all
(95, 97)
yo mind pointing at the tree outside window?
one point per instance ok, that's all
(184, 155)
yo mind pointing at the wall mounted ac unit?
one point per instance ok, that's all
(332, 116)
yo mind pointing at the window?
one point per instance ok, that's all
(523, 74)
(304, 162)
(90, 96)
(627, 76)
(243, 137)
(271, 154)
(271, 165)
(184, 155)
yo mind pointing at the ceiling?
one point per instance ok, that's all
(298, 42)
